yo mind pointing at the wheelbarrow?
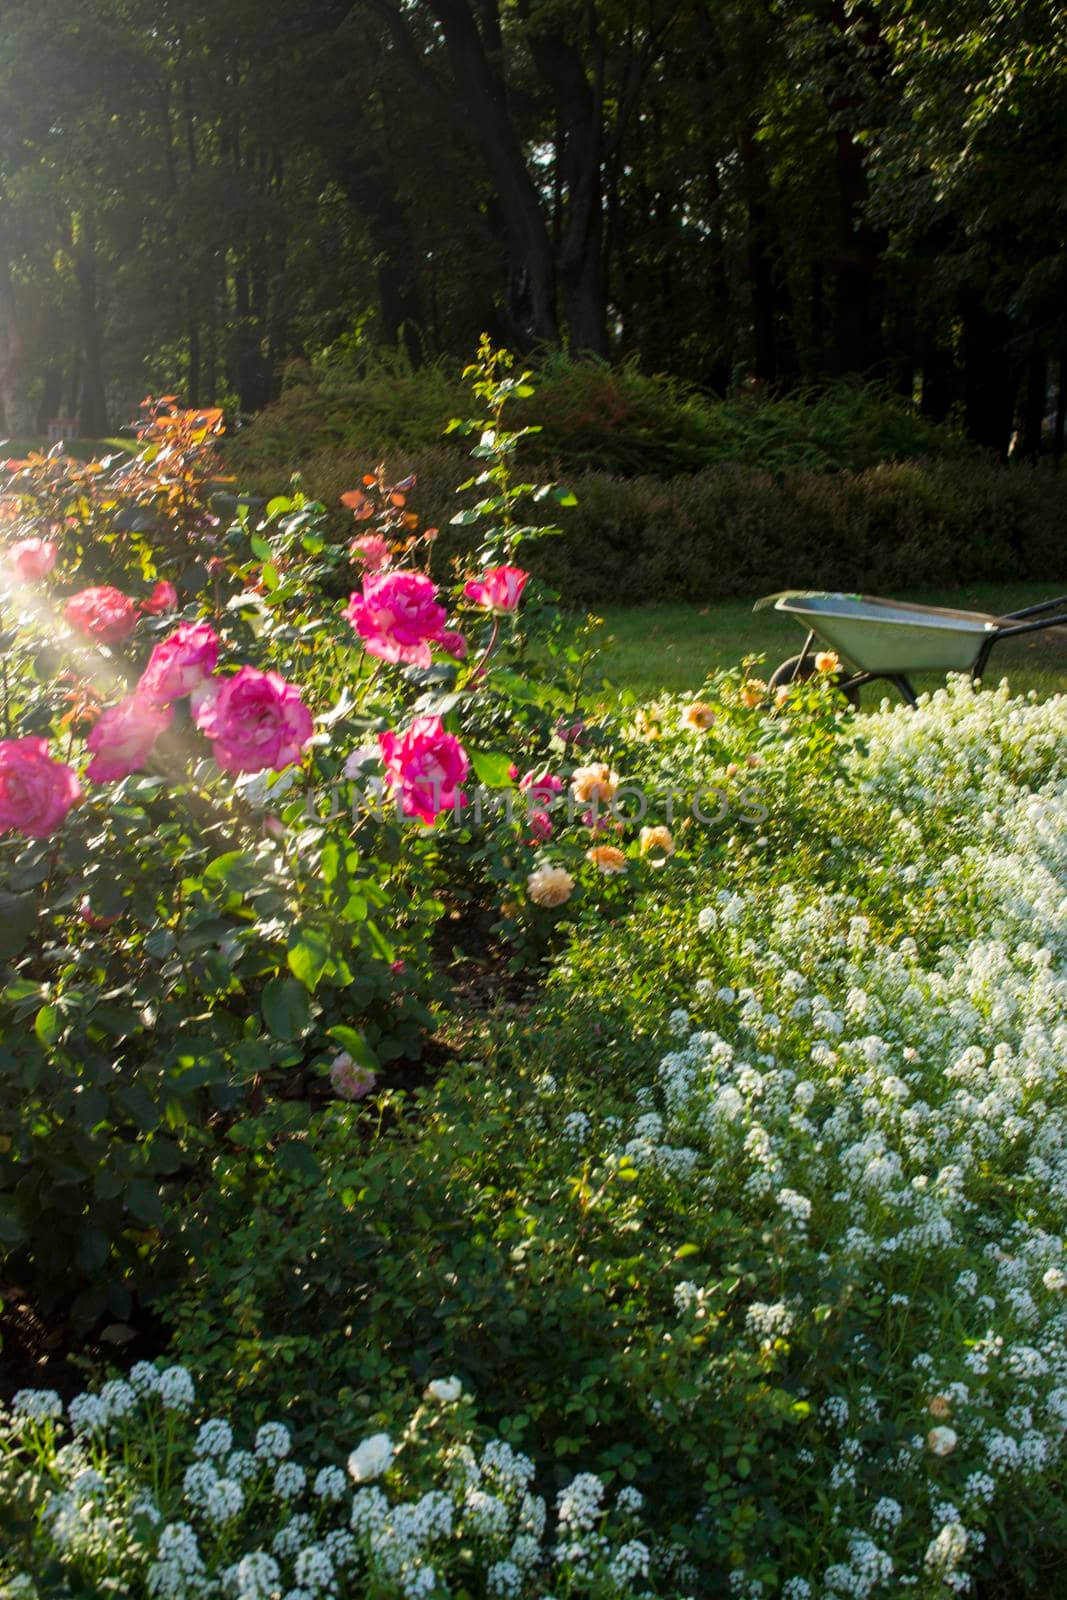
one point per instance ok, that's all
(892, 639)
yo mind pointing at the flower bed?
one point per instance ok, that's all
(733, 1264)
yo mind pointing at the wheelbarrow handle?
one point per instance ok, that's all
(1034, 611)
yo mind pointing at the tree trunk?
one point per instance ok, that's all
(531, 287)
(760, 271)
(989, 387)
(92, 405)
(371, 191)
(14, 411)
(51, 397)
(938, 381)
(1061, 407)
(580, 111)
(1036, 400)
(858, 342)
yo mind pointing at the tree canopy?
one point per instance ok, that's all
(750, 192)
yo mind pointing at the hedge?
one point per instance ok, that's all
(734, 531)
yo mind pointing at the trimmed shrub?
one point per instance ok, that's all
(733, 530)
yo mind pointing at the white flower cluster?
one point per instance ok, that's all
(244, 1525)
(873, 1084)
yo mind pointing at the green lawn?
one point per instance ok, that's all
(649, 649)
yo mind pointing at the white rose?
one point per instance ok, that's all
(445, 1389)
(371, 1458)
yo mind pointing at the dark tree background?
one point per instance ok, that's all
(746, 193)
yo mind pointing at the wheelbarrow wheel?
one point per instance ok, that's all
(797, 668)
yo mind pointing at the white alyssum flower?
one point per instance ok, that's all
(37, 1405)
(273, 1442)
(175, 1389)
(214, 1438)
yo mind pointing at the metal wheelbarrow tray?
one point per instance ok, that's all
(890, 639)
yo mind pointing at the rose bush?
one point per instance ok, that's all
(236, 811)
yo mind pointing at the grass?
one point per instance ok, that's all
(652, 649)
(81, 449)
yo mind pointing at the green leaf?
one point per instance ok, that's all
(236, 870)
(309, 955)
(286, 1009)
(47, 1026)
(351, 1040)
(18, 914)
(491, 767)
(143, 1201)
(295, 1157)
(565, 497)
(261, 548)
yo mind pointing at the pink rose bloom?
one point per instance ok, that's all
(453, 644)
(500, 589)
(123, 737)
(541, 828)
(540, 786)
(372, 551)
(349, 1079)
(104, 614)
(424, 767)
(164, 598)
(254, 720)
(31, 559)
(180, 663)
(36, 792)
(397, 617)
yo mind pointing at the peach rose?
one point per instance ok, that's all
(607, 858)
(827, 661)
(658, 841)
(596, 784)
(550, 886)
(753, 693)
(699, 716)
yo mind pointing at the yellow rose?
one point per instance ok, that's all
(827, 661)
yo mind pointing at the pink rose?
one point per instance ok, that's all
(350, 1080)
(541, 828)
(453, 643)
(424, 767)
(540, 786)
(499, 590)
(164, 598)
(254, 720)
(104, 614)
(397, 617)
(372, 551)
(120, 742)
(31, 559)
(36, 792)
(180, 663)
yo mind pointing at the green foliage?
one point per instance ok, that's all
(592, 1224)
(738, 531)
(589, 415)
